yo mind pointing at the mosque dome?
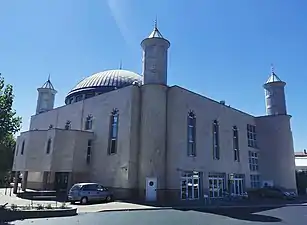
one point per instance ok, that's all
(102, 82)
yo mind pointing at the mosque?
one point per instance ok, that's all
(144, 139)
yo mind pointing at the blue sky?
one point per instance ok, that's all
(219, 48)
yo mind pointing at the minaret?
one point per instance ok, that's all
(275, 95)
(46, 97)
(155, 58)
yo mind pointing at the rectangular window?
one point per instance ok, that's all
(255, 181)
(236, 144)
(89, 151)
(253, 161)
(251, 136)
(191, 134)
(89, 122)
(216, 142)
(113, 132)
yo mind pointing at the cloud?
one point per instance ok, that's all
(119, 11)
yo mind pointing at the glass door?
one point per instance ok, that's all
(237, 186)
(190, 186)
(216, 187)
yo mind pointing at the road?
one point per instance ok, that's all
(292, 215)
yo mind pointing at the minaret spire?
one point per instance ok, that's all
(120, 64)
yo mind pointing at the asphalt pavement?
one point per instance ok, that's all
(289, 215)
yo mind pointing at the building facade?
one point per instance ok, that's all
(144, 139)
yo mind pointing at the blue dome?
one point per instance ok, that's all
(102, 82)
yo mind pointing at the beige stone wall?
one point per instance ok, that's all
(67, 152)
(277, 160)
(111, 170)
(153, 135)
(180, 102)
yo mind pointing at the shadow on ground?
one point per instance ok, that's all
(248, 214)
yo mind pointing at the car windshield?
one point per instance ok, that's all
(75, 188)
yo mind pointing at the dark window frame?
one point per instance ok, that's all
(89, 151)
(191, 134)
(48, 146)
(236, 148)
(216, 139)
(113, 132)
(22, 147)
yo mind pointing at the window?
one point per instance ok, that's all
(67, 125)
(113, 132)
(89, 95)
(255, 181)
(217, 185)
(48, 146)
(71, 100)
(17, 148)
(89, 122)
(236, 144)
(251, 136)
(216, 144)
(22, 148)
(79, 98)
(191, 134)
(253, 161)
(89, 151)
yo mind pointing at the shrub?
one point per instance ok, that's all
(40, 206)
(14, 207)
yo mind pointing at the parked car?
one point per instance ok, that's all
(89, 192)
(273, 192)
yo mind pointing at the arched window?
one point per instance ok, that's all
(113, 132)
(216, 142)
(191, 134)
(48, 146)
(16, 150)
(22, 148)
(236, 143)
(89, 122)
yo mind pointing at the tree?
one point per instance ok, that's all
(10, 123)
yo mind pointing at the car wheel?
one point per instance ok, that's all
(84, 200)
(109, 198)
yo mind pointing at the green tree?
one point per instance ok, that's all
(10, 123)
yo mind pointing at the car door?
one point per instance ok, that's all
(102, 193)
(89, 191)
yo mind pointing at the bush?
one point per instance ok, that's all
(40, 207)
(13, 207)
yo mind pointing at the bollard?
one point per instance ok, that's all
(11, 191)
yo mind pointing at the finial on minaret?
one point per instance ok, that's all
(120, 64)
(49, 77)
(156, 23)
(272, 68)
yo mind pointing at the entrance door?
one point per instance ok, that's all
(237, 187)
(190, 186)
(61, 181)
(151, 189)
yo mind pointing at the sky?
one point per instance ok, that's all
(219, 48)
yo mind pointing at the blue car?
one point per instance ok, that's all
(89, 192)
